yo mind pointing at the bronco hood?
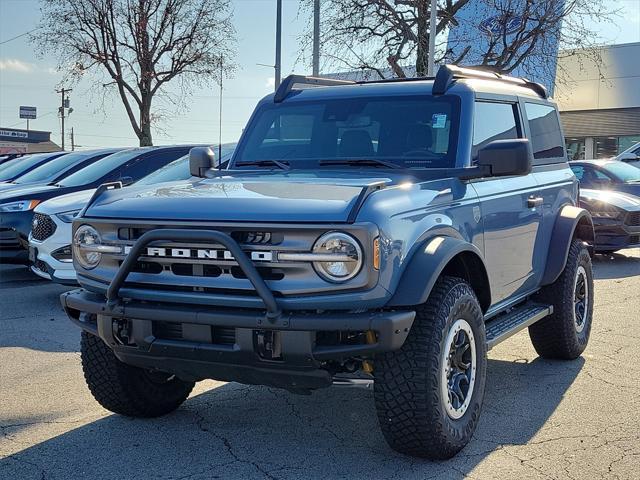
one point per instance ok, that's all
(265, 198)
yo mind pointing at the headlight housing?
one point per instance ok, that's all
(19, 206)
(606, 214)
(67, 217)
(349, 262)
(86, 246)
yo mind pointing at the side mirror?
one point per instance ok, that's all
(201, 159)
(628, 157)
(126, 181)
(503, 158)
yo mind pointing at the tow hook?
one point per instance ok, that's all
(268, 344)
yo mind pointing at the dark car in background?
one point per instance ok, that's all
(126, 166)
(58, 168)
(616, 219)
(607, 175)
(17, 167)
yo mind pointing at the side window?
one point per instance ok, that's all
(546, 138)
(151, 163)
(578, 171)
(493, 121)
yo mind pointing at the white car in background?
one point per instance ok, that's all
(50, 237)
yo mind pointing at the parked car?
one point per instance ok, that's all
(50, 237)
(16, 205)
(631, 155)
(55, 170)
(607, 175)
(17, 167)
(10, 156)
(385, 232)
(616, 219)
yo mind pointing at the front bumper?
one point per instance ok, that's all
(132, 329)
(45, 264)
(615, 235)
(14, 232)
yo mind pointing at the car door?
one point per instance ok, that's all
(511, 220)
(558, 185)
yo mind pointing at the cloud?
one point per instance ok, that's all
(271, 83)
(15, 65)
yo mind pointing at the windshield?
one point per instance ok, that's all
(179, 169)
(409, 131)
(19, 165)
(622, 171)
(101, 168)
(52, 169)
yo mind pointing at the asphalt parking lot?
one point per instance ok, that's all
(542, 419)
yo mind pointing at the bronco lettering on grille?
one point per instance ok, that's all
(200, 253)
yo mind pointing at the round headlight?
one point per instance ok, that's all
(85, 240)
(348, 256)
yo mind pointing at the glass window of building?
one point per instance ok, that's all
(575, 148)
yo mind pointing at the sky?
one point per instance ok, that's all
(26, 79)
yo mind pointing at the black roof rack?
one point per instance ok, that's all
(288, 83)
(448, 74)
(444, 79)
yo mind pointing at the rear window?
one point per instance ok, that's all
(493, 121)
(546, 138)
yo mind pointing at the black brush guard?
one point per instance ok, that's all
(299, 364)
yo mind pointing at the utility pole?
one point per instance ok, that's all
(316, 38)
(278, 65)
(73, 144)
(220, 122)
(433, 14)
(62, 92)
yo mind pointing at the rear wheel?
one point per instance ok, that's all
(565, 333)
(128, 390)
(429, 393)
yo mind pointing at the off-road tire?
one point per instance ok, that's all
(556, 336)
(125, 389)
(407, 388)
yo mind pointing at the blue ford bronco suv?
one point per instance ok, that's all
(387, 232)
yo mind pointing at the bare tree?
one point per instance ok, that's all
(140, 46)
(392, 36)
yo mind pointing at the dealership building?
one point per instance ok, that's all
(13, 140)
(600, 107)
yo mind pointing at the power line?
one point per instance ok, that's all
(18, 36)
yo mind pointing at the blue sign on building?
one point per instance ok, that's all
(487, 25)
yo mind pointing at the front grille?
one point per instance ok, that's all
(634, 239)
(42, 266)
(177, 331)
(633, 219)
(42, 227)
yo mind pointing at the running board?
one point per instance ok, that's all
(504, 326)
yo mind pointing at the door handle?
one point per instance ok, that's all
(533, 202)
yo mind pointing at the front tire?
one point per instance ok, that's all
(429, 394)
(565, 333)
(126, 389)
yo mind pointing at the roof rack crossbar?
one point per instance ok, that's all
(447, 74)
(288, 83)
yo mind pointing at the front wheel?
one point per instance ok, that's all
(429, 394)
(126, 389)
(565, 333)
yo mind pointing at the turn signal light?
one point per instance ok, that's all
(376, 253)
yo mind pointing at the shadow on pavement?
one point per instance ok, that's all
(616, 265)
(237, 431)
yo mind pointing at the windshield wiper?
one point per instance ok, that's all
(261, 163)
(361, 161)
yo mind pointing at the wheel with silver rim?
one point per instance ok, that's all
(565, 333)
(458, 373)
(429, 393)
(581, 299)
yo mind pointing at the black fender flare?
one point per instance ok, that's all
(428, 263)
(571, 221)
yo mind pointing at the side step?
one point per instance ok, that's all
(504, 326)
